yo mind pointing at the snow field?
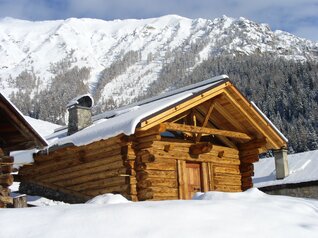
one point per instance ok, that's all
(213, 214)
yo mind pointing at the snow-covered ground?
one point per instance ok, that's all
(303, 167)
(213, 214)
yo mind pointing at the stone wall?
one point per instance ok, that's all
(304, 190)
(38, 190)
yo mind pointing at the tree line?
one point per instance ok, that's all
(285, 90)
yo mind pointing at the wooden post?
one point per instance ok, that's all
(20, 201)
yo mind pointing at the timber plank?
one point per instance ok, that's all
(45, 168)
(226, 170)
(211, 176)
(111, 172)
(228, 188)
(156, 182)
(205, 178)
(141, 175)
(181, 179)
(166, 166)
(206, 130)
(101, 183)
(83, 168)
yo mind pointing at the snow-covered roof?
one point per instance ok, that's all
(124, 120)
(36, 135)
(269, 122)
(43, 128)
(303, 167)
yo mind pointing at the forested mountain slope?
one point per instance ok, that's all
(45, 64)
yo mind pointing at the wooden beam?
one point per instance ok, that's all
(182, 107)
(253, 144)
(194, 123)
(201, 148)
(223, 139)
(181, 183)
(205, 121)
(228, 117)
(251, 120)
(205, 130)
(180, 116)
(6, 200)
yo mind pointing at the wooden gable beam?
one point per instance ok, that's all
(205, 121)
(228, 117)
(205, 130)
(223, 139)
(249, 118)
(179, 117)
(182, 107)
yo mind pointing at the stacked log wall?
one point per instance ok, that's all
(158, 167)
(249, 154)
(156, 180)
(220, 166)
(81, 173)
(6, 179)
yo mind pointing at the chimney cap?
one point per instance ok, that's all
(85, 100)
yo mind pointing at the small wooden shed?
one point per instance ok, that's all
(15, 134)
(202, 137)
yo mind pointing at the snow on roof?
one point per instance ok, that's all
(82, 99)
(269, 121)
(303, 167)
(43, 128)
(124, 120)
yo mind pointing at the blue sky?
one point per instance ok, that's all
(299, 17)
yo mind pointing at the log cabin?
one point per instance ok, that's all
(15, 134)
(203, 137)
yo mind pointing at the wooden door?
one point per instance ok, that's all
(193, 179)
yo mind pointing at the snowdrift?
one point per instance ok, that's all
(213, 214)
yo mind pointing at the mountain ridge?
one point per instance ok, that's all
(96, 44)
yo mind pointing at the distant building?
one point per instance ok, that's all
(302, 180)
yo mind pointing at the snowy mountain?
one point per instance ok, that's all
(139, 47)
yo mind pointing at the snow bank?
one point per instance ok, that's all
(108, 198)
(215, 195)
(248, 214)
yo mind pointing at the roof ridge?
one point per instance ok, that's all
(114, 112)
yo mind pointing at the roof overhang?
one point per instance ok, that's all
(15, 132)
